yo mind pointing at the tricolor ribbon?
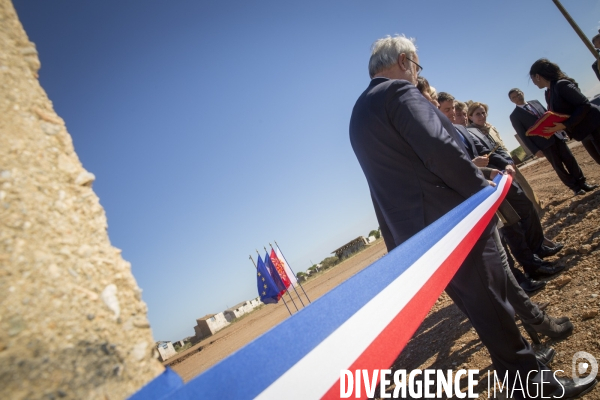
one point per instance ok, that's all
(364, 323)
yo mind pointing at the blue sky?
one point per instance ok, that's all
(214, 128)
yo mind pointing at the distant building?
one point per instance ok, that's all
(314, 269)
(209, 325)
(351, 247)
(241, 309)
(165, 350)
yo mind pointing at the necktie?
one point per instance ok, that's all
(531, 110)
(466, 142)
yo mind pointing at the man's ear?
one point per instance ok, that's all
(402, 62)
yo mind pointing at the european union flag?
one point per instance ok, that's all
(267, 289)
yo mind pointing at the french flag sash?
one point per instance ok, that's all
(364, 323)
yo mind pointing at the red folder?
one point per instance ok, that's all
(546, 121)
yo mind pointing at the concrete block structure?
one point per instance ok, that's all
(209, 325)
(241, 309)
(165, 350)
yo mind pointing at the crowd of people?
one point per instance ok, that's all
(424, 152)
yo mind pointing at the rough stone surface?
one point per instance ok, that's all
(589, 314)
(562, 281)
(64, 291)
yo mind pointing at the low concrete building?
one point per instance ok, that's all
(241, 309)
(209, 325)
(351, 247)
(312, 270)
(165, 350)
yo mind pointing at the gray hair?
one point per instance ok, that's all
(385, 52)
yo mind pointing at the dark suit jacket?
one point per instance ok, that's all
(564, 97)
(499, 159)
(474, 147)
(410, 153)
(469, 145)
(595, 67)
(522, 120)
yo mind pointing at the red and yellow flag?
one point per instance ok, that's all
(280, 269)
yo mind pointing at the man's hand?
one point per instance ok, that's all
(539, 154)
(510, 170)
(481, 161)
(494, 173)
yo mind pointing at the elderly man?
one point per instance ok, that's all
(554, 148)
(417, 170)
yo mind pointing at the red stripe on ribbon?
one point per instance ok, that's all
(391, 341)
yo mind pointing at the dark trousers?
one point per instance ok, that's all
(519, 276)
(592, 145)
(479, 289)
(526, 309)
(564, 163)
(526, 237)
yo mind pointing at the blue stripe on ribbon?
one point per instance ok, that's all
(250, 370)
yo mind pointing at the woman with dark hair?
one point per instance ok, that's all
(564, 97)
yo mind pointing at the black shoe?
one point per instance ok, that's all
(547, 251)
(550, 328)
(571, 390)
(587, 188)
(546, 270)
(544, 354)
(530, 286)
(578, 192)
(559, 320)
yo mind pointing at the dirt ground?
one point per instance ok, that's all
(446, 339)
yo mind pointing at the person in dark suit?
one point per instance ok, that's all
(477, 114)
(417, 171)
(525, 239)
(524, 236)
(523, 117)
(534, 320)
(596, 43)
(564, 97)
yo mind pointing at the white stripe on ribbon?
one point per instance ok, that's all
(322, 365)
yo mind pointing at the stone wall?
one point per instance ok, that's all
(72, 321)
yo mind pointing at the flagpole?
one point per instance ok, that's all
(259, 293)
(286, 261)
(286, 289)
(293, 287)
(578, 30)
